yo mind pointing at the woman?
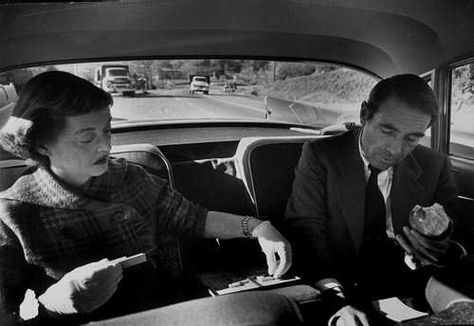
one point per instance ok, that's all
(62, 225)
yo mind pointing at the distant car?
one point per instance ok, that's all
(114, 78)
(230, 87)
(199, 84)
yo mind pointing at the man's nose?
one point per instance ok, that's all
(395, 147)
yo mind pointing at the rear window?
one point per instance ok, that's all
(307, 93)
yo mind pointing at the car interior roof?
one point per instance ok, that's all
(380, 36)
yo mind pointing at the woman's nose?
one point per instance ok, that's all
(105, 143)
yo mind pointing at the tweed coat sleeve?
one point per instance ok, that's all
(13, 267)
(172, 212)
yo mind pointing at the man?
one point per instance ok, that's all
(348, 213)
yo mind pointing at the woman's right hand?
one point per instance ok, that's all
(83, 289)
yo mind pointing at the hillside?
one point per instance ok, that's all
(340, 86)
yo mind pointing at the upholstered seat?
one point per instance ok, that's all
(267, 167)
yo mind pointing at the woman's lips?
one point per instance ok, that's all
(101, 160)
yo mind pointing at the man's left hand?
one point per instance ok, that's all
(427, 250)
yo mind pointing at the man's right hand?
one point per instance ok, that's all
(83, 289)
(349, 316)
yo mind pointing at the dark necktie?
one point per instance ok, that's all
(374, 207)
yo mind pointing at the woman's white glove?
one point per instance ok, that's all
(272, 242)
(83, 289)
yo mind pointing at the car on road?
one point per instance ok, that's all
(114, 79)
(305, 67)
(199, 84)
(230, 87)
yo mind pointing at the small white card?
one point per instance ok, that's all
(126, 262)
(394, 309)
(255, 282)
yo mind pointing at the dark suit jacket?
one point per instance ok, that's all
(325, 213)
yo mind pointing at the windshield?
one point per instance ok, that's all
(306, 93)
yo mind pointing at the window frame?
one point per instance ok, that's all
(443, 91)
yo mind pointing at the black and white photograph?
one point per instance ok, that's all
(237, 162)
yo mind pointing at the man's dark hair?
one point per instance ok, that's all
(408, 88)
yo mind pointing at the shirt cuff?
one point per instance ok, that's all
(454, 254)
(332, 295)
(329, 283)
(462, 250)
(333, 320)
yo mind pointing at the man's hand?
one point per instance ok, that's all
(272, 242)
(349, 316)
(83, 289)
(428, 251)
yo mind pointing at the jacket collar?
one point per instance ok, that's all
(349, 184)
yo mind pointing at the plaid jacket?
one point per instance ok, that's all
(46, 229)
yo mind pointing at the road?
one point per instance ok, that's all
(178, 104)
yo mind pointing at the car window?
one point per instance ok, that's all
(462, 111)
(308, 93)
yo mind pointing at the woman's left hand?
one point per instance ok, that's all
(273, 244)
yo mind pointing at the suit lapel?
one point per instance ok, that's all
(406, 191)
(350, 182)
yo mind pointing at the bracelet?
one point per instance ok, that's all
(244, 225)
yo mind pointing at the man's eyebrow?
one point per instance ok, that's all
(392, 127)
(389, 126)
(83, 130)
(418, 134)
